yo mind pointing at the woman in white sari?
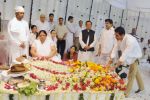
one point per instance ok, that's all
(43, 47)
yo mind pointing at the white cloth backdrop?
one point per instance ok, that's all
(80, 9)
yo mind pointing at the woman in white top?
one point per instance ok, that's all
(33, 34)
(43, 46)
(53, 36)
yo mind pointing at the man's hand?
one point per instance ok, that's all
(86, 47)
(99, 53)
(112, 68)
(65, 34)
(110, 62)
(60, 38)
(22, 45)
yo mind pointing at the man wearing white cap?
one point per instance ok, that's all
(18, 32)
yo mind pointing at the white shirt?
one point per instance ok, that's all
(107, 40)
(84, 44)
(51, 25)
(18, 31)
(71, 27)
(130, 49)
(54, 40)
(32, 37)
(79, 30)
(42, 26)
(43, 49)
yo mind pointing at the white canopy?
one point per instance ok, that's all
(137, 5)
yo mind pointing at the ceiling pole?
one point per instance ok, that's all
(138, 20)
(109, 11)
(66, 11)
(91, 10)
(30, 13)
(122, 17)
(0, 22)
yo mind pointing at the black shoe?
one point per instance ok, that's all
(138, 91)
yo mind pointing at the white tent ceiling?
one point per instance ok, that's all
(136, 5)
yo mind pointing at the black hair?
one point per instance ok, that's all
(68, 52)
(109, 20)
(88, 21)
(70, 17)
(32, 26)
(80, 21)
(52, 31)
(51, 14)
(41, 32)
(120, 30)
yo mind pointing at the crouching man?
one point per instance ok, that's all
(130, 52)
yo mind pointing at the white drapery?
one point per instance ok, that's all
(80, 9)
(136, 5)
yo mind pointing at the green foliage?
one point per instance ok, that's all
(29, 90)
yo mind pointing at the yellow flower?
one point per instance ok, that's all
(99, 78)
(53, 78)
(96, 89)
(102, 88)
(97, 81)
(108, 76)
(75, 79)
(71, 70)
(99, 67)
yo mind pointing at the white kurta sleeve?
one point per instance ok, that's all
(94, 42)
(127, 51)
(27, 33)
(100, 38)
(114, 51)
(71, 28)
(80, 40)
(12, 30)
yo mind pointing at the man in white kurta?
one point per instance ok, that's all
(51, 22)
(71, 31)
(42, 24)
(131, 52)
(106, 42)
(87, 40)
(18, 33)
(79, 29)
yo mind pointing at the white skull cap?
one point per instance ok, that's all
(19, 9)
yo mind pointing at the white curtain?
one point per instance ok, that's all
(136, 5)
(80, 9)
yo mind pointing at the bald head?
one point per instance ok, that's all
(42, 18)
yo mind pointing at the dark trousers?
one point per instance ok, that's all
(61, 44)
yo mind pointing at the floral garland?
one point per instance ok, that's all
(50, 71)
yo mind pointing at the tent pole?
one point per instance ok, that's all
(109, 11)
(138, 20)
(66, 11)
(0, 22)
(122, 17)
(30, 13)
(91, 10)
